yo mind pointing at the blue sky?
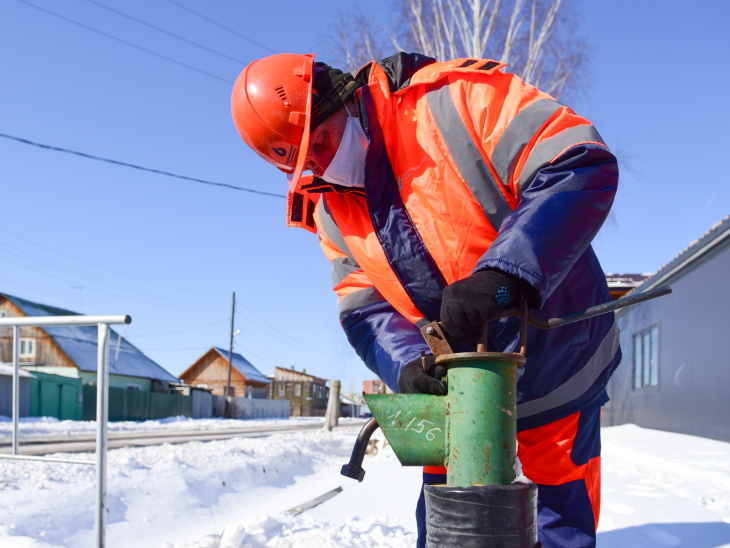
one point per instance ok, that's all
(170, 252)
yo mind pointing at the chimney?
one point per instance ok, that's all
(304, 370)
(292, 368)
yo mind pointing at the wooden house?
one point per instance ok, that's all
(211, 371)
(71, 351)
(308, 394)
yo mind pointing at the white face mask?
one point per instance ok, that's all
(348, 166)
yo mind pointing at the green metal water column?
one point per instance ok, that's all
(481, 418)
(471, 431)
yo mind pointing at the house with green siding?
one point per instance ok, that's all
(71, 352)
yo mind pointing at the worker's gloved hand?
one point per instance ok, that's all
(470, 303)
(414, 380)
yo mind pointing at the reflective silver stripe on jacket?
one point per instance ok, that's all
(523, 127)
(354, 301)
(342, 267)
(578, 383)
(330, 228)
(466, 156)
(542, 154)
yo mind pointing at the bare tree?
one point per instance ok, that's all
(355, 40)
(538, 38)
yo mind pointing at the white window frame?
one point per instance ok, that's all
(282, 390)
(27, 347)
(645, 359)
(3, 313)
(298, 390)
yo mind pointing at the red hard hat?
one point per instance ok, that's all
(271, 106)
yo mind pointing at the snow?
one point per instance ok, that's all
(663, 489)
(659, 489)
(40, 426)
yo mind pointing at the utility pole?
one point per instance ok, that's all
(230, 351)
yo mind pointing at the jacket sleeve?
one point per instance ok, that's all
(383, 338)
(564, 178)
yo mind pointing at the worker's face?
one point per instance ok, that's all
(324, 142)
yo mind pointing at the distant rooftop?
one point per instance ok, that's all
(79, 343)
(244, 366)
(7, 369)
(625, 280)
(283, 371)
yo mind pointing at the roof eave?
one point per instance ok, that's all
(680, 263)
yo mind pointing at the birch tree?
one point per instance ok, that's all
(537, 38)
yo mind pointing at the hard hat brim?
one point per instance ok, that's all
(294, 178)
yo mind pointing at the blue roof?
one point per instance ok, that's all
(244, 366)
(79, 343)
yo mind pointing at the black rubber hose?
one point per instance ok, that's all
(354, 468)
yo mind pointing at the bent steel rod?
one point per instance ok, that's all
(592, 311)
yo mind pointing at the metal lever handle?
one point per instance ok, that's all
(435, 335)
(594, 310)
(353, 469)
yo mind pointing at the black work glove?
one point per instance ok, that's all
(470, 303)
(414, 380)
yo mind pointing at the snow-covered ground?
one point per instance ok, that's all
(40, 426)
(660, 489)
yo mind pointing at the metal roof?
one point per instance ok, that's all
(625, 280)
(244, 366)
(7, 369)
(312, 378)
(79, 343)
(718, 233)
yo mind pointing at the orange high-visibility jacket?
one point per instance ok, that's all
(470, 168)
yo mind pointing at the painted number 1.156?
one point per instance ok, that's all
(419, 428)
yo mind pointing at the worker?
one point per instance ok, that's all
(449, 191)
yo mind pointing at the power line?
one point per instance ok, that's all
(196, 328)
(222, 26)
(148, 296)
(125, 164)
(126, 275)
(166, 32)
(143, 300)
(125, 42)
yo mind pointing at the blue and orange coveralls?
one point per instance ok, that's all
(470, 168)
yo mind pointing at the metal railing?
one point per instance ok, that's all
(102, 400)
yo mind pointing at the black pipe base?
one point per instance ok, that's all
(493, 516)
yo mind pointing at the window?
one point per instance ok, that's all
(3, 313)
(27, 348)
(282, 389)
(298, 390)
(646, 358)
(134, 387)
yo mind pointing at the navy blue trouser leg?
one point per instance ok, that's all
(428, 479)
